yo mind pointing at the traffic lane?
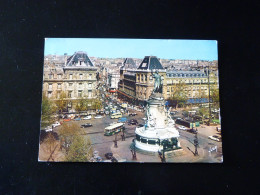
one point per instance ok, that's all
(204, 142)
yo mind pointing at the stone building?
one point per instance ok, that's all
(136, 85)
(127, 83)
(75, 80)
(194, 83)
(144, 77)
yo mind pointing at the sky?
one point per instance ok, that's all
(134, 48)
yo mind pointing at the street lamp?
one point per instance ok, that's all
(162, 154)
(134, 150)
(196, 144)
(209, 97)
(115, 141)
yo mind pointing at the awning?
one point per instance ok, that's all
(125, 94)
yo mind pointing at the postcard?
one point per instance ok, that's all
(130, 100)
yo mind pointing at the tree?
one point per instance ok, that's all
(80, 150)
(97, 104)
(77, 147)
(51, 146)
(62, 102)
(203, 112)
(82, 104)
(214, 94)
(48, 108)
(179, 94)
(66, 133)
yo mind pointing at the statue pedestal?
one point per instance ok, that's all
(159, 131)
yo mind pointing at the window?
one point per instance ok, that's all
(145, 78)
(90, 76)
(142, 77)
(70, 84)
(80, 76)
(58, 94)
(50, 76)
(70, 76)
(49, 94)
(70, 94)
(59, 76)
(80, 85)
(90, 85)
(89, 93)
(59, 85)
(79, 93)
(50, 86)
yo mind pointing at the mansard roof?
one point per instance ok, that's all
(79, 58)
(150, 63)
(129, 64)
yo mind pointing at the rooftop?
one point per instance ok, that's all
(150, 63)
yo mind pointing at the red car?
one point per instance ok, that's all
(67, 119)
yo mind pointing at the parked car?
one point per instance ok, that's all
(109, 155)
(122, 120)
(215, 138)
(140, 125)
(183, 128)
(106, 112)
(86, 125)
(87, 117)
(194, 131)
(132, 122)
(56, 124)
(66, 119)
(132, 114)
(98, 116)
(48, 128)
(77, 119)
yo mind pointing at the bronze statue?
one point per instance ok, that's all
(157, 83)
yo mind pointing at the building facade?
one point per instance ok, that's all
(137, 84)
(75, 80)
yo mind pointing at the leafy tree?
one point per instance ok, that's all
(214, 94)
(48, 108)
(80, 150)
(62, 102)
(179, 94)
(51, 145)
(82, 104)
(77, 147)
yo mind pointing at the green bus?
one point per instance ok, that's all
(113, 129)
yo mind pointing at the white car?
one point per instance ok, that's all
(47, 129)
(215, 138)
(98, 116)
(182, 128)
(87, 117)
(56, 124)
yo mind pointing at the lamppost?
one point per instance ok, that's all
(123, 136)
(162, 154)
(134, 150)
(115, 141)
(196, 144)
(209, 97)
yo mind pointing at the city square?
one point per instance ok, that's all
(130, 110)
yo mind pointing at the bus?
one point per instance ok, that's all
(116, 115)
(113, 129)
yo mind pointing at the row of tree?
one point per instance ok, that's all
(180, 95)
(50, 107)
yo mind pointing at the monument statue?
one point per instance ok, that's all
(157, 83)
(159, 127)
